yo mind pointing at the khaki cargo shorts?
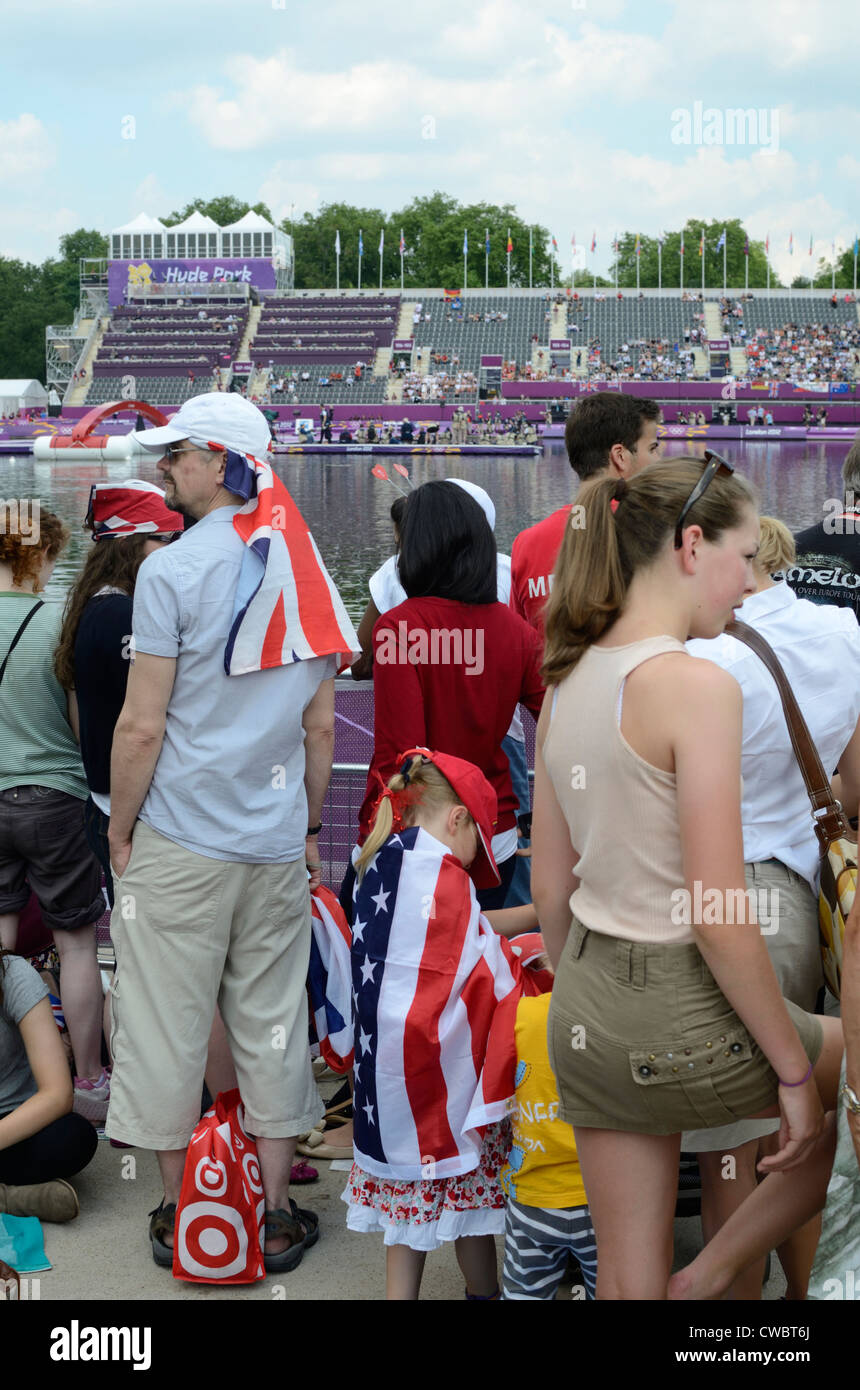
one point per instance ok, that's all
(641, 1039)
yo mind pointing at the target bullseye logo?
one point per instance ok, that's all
(213, 1240)
(251, 1169)
(210, 1177)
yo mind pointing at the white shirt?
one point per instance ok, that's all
(818, 645)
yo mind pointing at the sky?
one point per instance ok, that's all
(590, 116)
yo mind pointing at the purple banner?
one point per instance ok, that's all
(559, 344)
(719, 344)
(139, 275)
(403, 344)
(491, 361)
(243, 368)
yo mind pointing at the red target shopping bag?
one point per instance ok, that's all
(221, 1207)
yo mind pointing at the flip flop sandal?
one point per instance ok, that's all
(161, 1223)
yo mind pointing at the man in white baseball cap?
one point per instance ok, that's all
(220, 766)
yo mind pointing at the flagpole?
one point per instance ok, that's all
(486, 258)
(659, 264)
(337, 260)
(724, 260)
(508, 254)
(747, 266)
(833, 270)
(616, 261)
(681, 285)
(530, 258)
(767, 258)
(401, 259)
(855, 263)
(703, 249)
(359, 257)
(551, 267)
(381, 244)
(638, 259)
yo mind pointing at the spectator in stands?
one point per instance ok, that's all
(827, 567)
(605, 432)
(43, 843)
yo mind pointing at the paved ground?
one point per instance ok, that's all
(105, 1254)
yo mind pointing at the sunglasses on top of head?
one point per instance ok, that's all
(716, 467)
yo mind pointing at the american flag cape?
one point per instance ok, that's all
(294, 611)
(330, 980)
(435, 993)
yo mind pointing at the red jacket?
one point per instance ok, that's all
(533, 557)
(448, 676)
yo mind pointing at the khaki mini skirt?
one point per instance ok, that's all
(641, 1039)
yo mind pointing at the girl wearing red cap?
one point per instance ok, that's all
(435, 992)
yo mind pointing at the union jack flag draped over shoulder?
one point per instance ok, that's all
(435, 992)
(286, 607)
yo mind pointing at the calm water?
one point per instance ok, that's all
(347, 509)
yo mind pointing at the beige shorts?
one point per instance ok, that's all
(190, 932)
(641, 1039)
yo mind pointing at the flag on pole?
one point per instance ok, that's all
(337, 243)
(767, 245)
(381, 240)
(722, 241)
(791, 244)
(487, 242)
(682, 243)
(638, 247)
(360, 244)
(593, 242)
(466, 243)
(554, 244)
(810, 243)
(402, 243)
(746, 246)
(856, 246)
(702, 244)
(510, 246)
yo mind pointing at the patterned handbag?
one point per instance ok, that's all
(837, 841)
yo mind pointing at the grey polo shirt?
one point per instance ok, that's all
(229, 781)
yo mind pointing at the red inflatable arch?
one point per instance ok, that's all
(85, 426)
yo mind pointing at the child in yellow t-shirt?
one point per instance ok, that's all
(547, 1217)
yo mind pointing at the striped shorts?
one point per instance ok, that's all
(538, 1244)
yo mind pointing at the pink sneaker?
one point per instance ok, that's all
(92, 1099)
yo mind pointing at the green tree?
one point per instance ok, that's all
(736, 240)
(434, 228)
(223, 210)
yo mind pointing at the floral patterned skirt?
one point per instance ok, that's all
(425, 1214)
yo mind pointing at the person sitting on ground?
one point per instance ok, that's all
(41, 1142)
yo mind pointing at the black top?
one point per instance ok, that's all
(102, 656)
(827, 569)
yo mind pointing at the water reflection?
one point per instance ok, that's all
(348, 509)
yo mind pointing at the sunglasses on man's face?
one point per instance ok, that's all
(716, 467)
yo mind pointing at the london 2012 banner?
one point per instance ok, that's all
(135, 278)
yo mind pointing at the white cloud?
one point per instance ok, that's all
(26, 148)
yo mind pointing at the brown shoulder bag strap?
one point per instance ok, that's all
(830, 820)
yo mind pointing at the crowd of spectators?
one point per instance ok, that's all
(813, 352)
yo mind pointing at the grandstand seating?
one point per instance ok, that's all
(157, 390)
(450, 331)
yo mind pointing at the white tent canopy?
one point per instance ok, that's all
(196, 222)
(251, 222)
(23, 393)
(141, 223)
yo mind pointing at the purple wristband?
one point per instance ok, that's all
(798, 1083)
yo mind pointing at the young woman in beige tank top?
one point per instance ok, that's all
(665, 1004)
